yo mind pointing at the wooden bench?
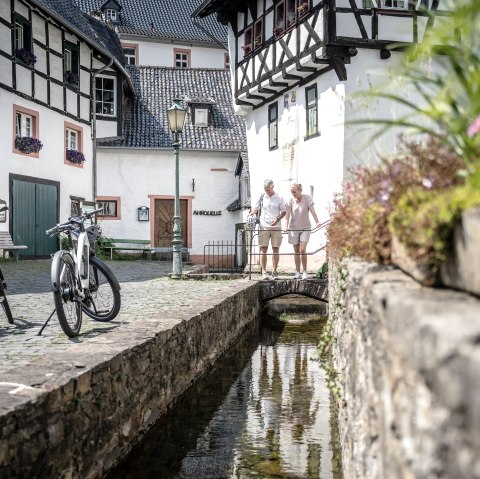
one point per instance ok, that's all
(120, 244)
(6, 244)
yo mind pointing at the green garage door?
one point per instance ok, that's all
(34, 210)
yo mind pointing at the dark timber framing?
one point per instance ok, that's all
(265, 73)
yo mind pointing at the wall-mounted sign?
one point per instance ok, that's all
(3, 211)
(207, 213)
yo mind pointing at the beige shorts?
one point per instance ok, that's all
(264, 237)
(295, 237)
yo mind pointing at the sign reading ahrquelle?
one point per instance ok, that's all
(207, 213)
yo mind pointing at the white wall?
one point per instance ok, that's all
(162, 54)
(134, 174)
(50, 163)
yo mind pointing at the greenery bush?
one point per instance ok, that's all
(360, 212)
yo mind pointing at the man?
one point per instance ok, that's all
(272, 209)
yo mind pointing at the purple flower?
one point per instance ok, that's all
(27, 144)
(427, 183)
(474, 128)
(75, 156)
(71, 78)
(26, 56)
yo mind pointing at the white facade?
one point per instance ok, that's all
(155, 52)
(139, 176)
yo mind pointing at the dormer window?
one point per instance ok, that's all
(111, 10)
(201, 111)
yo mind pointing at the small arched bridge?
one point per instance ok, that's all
(313, 288)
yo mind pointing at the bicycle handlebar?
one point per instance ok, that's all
(72, 223)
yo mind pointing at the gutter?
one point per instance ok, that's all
(94, 129)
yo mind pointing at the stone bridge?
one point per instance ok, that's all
(313, 288)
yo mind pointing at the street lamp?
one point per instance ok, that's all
(176, 119)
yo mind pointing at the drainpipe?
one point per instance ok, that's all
(94, 129)
(204, 30)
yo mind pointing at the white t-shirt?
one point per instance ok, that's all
(271, 207)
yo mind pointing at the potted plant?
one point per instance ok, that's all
(28, 145)
(75, 156)
(279, 28)
(26, 56)
(247, 48)
(303, 8)
(72, 78)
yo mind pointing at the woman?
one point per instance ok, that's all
(299, 227)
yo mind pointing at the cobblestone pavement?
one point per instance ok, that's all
(145, 290)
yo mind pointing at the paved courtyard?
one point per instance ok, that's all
(146, 289)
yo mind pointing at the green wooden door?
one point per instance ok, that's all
(34, 210)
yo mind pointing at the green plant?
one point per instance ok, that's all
(322, 273)
(360, 212)
(444, 70)
(424, 221)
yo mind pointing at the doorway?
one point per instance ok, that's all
(163, 226)
(34, 205)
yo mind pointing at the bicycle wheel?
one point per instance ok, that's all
(102, 302)
(65, 288)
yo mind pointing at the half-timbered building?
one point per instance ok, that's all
(57, 66)
(295, 65)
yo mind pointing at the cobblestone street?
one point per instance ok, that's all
(146, 290)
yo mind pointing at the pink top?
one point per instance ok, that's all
(299, 217)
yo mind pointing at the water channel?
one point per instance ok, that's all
(262, 412)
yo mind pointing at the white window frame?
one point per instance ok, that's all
(111, 14)
(201, 117)
(394, 6)
(71, 139)
(129, 56)
(183, 61)
(19, 36)
(68, 59)
(107, 206)
(24, 124)
(101, 102)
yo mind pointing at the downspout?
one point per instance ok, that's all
(204, 30)
(94, 130)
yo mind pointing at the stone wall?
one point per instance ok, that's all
(76, 413)
(408, 364)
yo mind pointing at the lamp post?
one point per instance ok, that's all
(176, 119)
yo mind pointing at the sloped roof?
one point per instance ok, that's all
(145, 119)
(94, 32)
(161, 19)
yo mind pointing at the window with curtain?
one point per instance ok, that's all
(312, 110)
(273, 126)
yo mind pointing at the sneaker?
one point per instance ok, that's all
(297, 275)
(265, 276)
(274, 275)
(304, 275)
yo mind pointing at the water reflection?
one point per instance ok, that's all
(263, 412)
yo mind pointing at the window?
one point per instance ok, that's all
(73, 145)
(394, 4)
(258, 28)
(247, 41)
(312, 110)
(105, 95)
(273, 126)
(22, 38)
(226, 61)
(279, 26)
(111, 207)
(111, 14)
(71, 63)
(130, 55)
(25, 124)
(201, 117)
(75, 203)
(181, 58)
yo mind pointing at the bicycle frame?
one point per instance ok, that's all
(81, 257)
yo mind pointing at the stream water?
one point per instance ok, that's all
(262, 412)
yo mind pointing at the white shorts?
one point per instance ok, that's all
(295, 237)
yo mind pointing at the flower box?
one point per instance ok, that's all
(28, 145)
(72, 78)
(74, 156)
(26, 56)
